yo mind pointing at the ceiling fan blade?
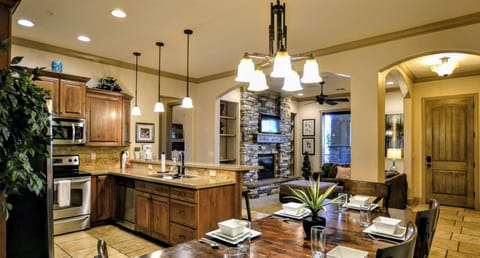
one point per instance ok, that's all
(330, 102)
(309, 103)
(339, 99)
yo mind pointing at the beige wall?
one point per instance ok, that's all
(367, 96)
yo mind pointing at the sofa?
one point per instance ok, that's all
(397, 181)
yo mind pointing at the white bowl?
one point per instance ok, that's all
(346, 252)
(231, 227)
(386, 225)
(359, 200)
(293, 208)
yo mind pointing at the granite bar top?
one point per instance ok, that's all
(198, 181)
(228, 167)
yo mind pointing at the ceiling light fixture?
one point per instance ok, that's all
(26, 23)
(136, 109)
(84, 38)
(282, 67)
(159, 105)
(187, 101)
(119, 13)
(445, 68)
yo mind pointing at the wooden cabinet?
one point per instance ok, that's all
(102, 199)
(67, 93)
(176, 214)
(108, 118)
(152, 210)
(228, 132)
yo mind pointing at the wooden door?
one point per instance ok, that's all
(72, 98)
(143, 203)
(50, 84)
(104, 116)
(161, 218)
(449, 150)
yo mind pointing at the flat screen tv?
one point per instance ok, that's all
(269, 124)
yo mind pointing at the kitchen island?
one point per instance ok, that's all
(170, 209)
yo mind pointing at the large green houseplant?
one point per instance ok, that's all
(315, 200)
(24, 132)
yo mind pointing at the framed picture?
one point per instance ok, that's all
(308, 146)
(393, 131)
(308, 127)
(144, 132)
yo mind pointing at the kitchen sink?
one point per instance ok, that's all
(170, 176)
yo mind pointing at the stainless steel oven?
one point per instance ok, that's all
(68, 131)
(71, 195)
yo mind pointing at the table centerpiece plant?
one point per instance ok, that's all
(314, 200)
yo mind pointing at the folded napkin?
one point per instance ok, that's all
(63, 193)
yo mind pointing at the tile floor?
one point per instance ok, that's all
(458, 235)
(121, 243)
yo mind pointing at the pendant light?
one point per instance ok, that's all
(136, 109)
(159, 105)
(187, 101)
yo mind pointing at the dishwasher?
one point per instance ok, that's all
(125, 210)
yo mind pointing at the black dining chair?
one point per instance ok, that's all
(380, 190)
(426, 222)
(404, 249)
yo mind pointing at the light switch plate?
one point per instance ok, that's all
(213, 173)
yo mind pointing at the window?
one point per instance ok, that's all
(336, 137)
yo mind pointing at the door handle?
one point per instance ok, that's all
(428, 160)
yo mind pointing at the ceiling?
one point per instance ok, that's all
(224, 30)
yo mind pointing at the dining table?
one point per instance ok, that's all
(282, 236)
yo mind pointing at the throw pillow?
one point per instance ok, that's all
(343, 173)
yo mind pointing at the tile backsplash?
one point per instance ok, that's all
(92, 157)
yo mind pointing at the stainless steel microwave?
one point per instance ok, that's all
(68, 131)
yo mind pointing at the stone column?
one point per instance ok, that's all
(7, 7)
(286, 128)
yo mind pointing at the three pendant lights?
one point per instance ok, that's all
(159, 107)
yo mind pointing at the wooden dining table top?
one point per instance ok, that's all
(283, 237)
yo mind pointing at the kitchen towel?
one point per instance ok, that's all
(63, 193)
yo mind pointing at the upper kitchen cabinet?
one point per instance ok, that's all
(108, 118)
(67, 93)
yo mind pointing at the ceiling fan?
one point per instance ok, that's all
(324, 99)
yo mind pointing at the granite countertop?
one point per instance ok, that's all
(196, 182)
(229, 167)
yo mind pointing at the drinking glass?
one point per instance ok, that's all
(365, 215)
(342, 202)
(244, 245)
(318, 241)
(233, 252)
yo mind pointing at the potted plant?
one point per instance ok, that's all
(314, 200)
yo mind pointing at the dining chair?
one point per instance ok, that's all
(426, 222)
(404, 249)
(380, 190)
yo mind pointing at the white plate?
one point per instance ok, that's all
(355, 207)
(346, 252)
(302, 215)
(399, 234)
(218, 235)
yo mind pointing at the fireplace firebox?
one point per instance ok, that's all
(268, 163)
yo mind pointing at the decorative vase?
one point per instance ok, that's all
(309, 222)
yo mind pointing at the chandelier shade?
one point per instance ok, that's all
(187, 101)
(258, 82)
(159, 108)
(136, 109)
(292, 82)
(310, 72)
(278, 57)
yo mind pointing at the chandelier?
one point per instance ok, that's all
(445, 68)
(278, 55)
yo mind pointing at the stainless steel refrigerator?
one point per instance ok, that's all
(30, 226)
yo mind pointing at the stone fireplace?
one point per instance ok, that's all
(257, 148)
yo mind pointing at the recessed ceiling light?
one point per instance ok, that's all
(300, 94)
(26, 23)
(118, 13)
(83, 38)
(390, 83)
